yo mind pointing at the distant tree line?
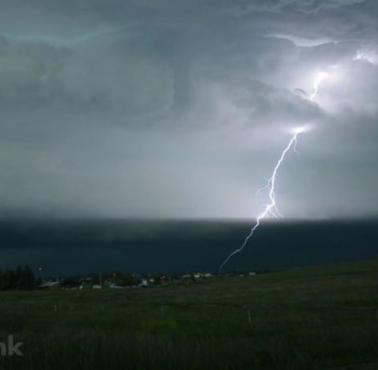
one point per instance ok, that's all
(22, 278)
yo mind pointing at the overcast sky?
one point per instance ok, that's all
(177, 108)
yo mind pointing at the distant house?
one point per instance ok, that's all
(49, 285)
(85, 285)
(143, 283)
(96, 286)
(115, 286)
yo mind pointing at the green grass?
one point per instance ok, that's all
(315, 318)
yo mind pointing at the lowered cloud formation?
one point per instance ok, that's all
(179, 109)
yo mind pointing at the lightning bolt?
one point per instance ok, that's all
(271, 208)
(319, 78)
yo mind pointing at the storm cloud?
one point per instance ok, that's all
(171, 108)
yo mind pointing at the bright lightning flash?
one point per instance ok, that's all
(271, 207)
(319, 78)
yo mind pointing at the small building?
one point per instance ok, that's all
(115, 286)
(49, 285)
(143, 283)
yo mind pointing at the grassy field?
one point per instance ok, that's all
(315, 318)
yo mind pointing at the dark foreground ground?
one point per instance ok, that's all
(315, 318)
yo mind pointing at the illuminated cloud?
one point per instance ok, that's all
(301, 41)
(369, 56)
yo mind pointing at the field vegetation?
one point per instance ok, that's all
(314, 318)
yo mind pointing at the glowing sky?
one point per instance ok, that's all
(173, 108)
